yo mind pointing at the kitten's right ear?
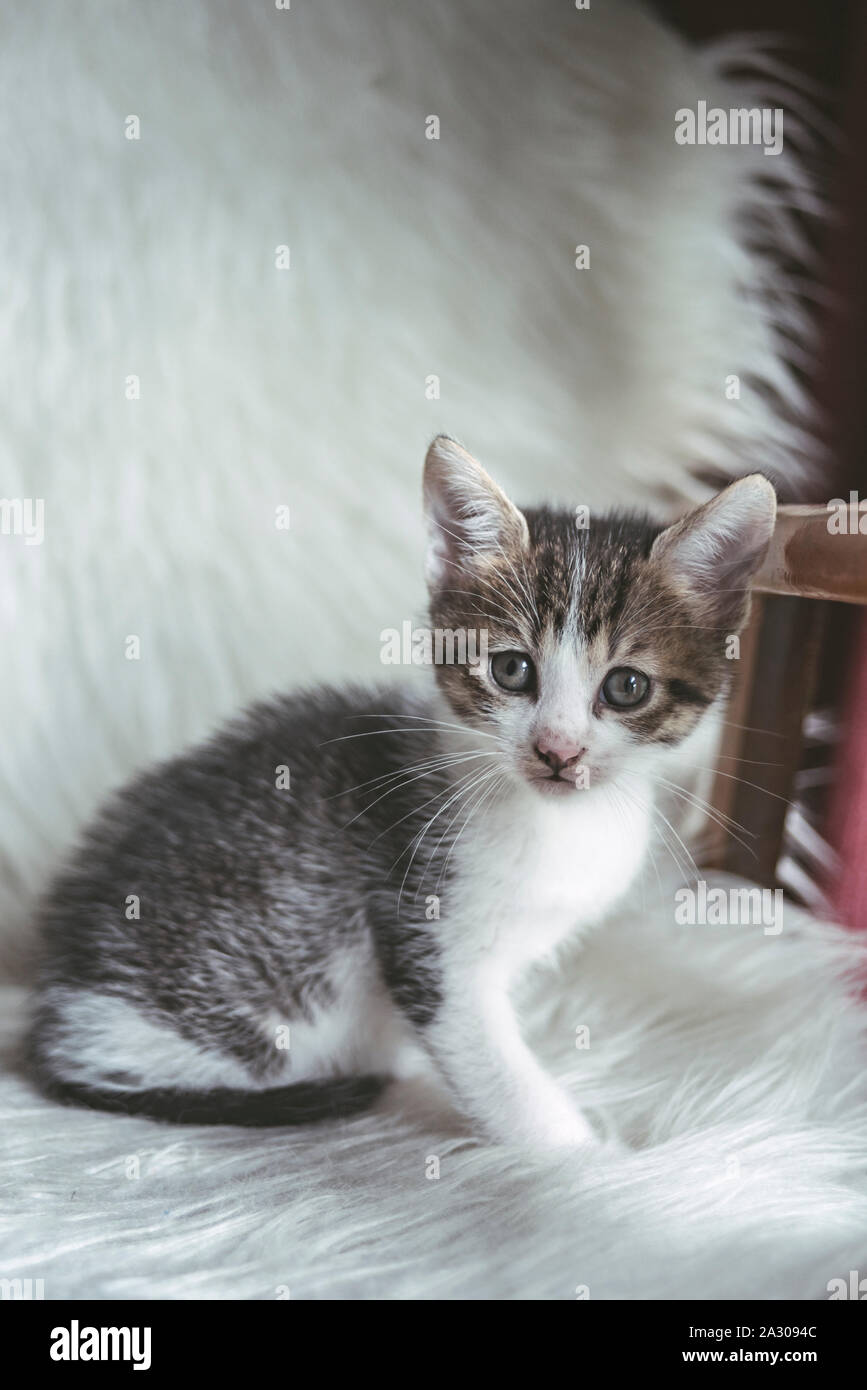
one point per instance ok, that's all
(468, 517)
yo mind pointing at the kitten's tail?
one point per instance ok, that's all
(302, 1103)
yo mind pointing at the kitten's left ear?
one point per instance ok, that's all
(712, 553)
(468, 517)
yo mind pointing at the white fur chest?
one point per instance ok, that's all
(539, 869)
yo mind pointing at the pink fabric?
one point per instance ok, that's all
(848, 825)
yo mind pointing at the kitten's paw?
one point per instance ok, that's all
(577, 1135)
(558, 1131)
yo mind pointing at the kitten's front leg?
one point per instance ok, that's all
(477, 1045)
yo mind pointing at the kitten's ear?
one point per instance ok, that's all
(467, 515)
(712, 553)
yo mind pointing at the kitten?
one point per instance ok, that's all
(429, 848)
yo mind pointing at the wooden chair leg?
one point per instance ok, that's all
(761, 748)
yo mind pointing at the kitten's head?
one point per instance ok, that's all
(606, 641)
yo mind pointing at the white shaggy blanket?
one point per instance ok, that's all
(730, 1063)
(729, 1068)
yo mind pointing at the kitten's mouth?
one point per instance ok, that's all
(555, 785)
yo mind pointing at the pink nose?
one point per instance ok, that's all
(559, 753)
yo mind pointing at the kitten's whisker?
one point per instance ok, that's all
(666, 626)
(770, 733)
(754, 762)
(492, 773)
(705, 805)
(432, 764)
(689, 859)
(440, 723)
(528, 616)
(632, 615)
(417, 778)
(419, 839)
(416, 729)
(650, 809)
(532, 593)
(655, 811)
(682, 870)
(618, 796)
(485, 793)
(468, 593)
(431, 856)
(724, 822)
(523, 587)
(521, 615)
(450, 786)
(515, 593)
(718, 772)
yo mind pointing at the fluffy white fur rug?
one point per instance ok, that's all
(731, 1063)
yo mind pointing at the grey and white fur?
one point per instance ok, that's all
(428, 849)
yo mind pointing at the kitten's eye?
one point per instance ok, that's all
(513, 671)
(625, 687)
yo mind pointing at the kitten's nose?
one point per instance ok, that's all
(558, 753)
